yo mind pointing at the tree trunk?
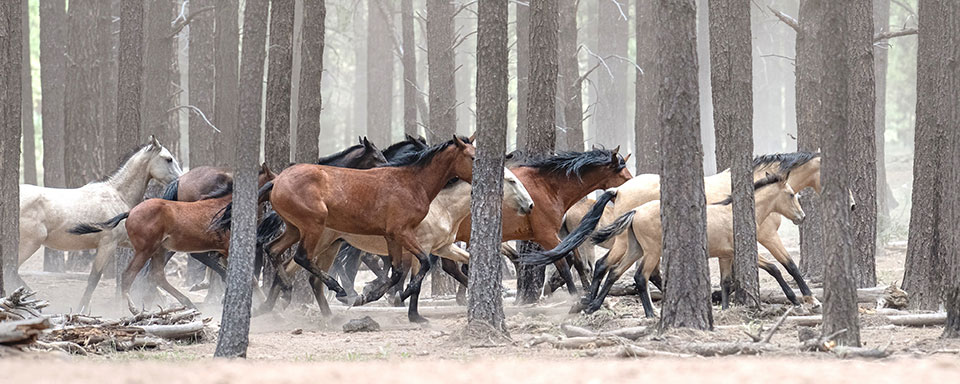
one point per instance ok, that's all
(277, 130)
(885, 200)
(611, 109)
(311, 71)
(10, 104)
(225, 95)
(29, 135)
(569, 85)
(948, 80)
(235, 325)
(440, 59)
(158, 90)
(380, 60)
(53, 19)
(410, 83)
(523, 69)
(707, 135)
(130, 71)
(485, 303)
(107, 60)
(464, 22)
(203, 139)
(732, 75)
(83, 129)
(686, 301)
(646, 122)
(862, 141)
(839, 285)
(809, 70)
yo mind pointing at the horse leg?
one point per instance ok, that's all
(140, 258)
(773, 244)
(726, 280)
(600, 271)
(577, 261)
(349, 262)
(773, 271)
(317, 285)
(644, 290)
(160, 279)
(276, 248)
(105, 253)
(378, 288)
(212, 261)
(373, 262)
(620, 259)
(301, 258)
(551, 242)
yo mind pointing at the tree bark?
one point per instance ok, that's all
(646, 122)
(82, 112)
(441, 66)
(686, 301)
(839, 285)
(410, 83)
(611, 109)
(569, 85)
(235, 326)
(948, 75)
(29, 131)
(885, 200)
(225, 102)
(277, 136)
(523, 69)
(203, 139)
(862, 141)
(809, 70)
(158, 77)
(130, 72)
(485, 303)
(107, 62)
(732, 87)
(380, 58)
(707, 134)
(10, 119)
(53, 19)
(311, 71)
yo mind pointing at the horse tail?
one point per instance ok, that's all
(221, 221)
(269, 227)
(172, 190)
(577, 237)
(264, 193)
(614, 229)
(83, 229)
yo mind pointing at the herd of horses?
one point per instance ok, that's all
(407, 206)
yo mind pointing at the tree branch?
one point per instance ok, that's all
(891, 34)
(184, 21)
(791, 22)
(198, 112)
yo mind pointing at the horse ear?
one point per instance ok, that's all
(154, 142)
(407, 137)
(627, 158)
(458, 142)
(616, 150)
(473, 137)
(366, 143)
(593, 147)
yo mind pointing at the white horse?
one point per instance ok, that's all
(47, 214)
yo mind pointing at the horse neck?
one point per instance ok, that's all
(456, 200)
(765, 199)
(803, 176)
(570, 188)
(433, 176)
(132, 179)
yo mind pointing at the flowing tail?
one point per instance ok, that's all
(221, 221)
(172, 190)
(614, 229)
(269, 228)
(577, 237)
(83, 229)
(264, 193)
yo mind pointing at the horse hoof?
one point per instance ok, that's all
(416, 318)
(576, 308)
(811, 301)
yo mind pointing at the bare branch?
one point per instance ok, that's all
(620, 9)
(891, 34)
(185, 21)
(786, 19)
(600, 59)
(777, 325)
(198, 112)
(463, 7)
(905, 7)
(780, 56)
(462, 39)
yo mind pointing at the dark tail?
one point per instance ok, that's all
(221, 221)
(172, 190)
(264, 193)
(269, 228)
(614, 229)
(577, 237)
(83, 229)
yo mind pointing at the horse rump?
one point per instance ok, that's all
(83, 229)
(613, 229)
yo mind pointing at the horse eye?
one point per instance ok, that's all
(170, 160)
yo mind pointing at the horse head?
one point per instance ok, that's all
(369, 156)
(786, 201)
(161, 165)
(616, 169)
(464, 154)
(515, 194)
(264, 175)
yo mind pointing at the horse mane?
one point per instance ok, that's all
(336, 156)
(221, 191)
(394, 149)
(123, 162)
(771, 179)
(423, 157)
(574, 163)
(788, 161)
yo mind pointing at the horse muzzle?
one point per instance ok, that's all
(797, 220)
(525, 210)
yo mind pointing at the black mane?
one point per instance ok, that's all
(423, 157)
(339, 155)
(771, 179)
(787, 161)
(574, 163)
(409, 144)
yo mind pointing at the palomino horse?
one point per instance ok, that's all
(556, 183)
(158, 225)
(436, 233)
(643, 241)
(803, 169)
(385, 201)
(47, 214)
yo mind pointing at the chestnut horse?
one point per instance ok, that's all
(388, 201)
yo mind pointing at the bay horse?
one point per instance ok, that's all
(386, 201)
(47, 214)
(643, 241)
(555, 184)
(158, 225)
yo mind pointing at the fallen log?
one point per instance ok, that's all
(727, 348)
(864, 295)
(911, 320)
(174, 331)
(22, 331)
(630, 333)
(844, 352)
(630, 350)
(576, 342)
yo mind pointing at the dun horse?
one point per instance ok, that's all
(47, 214)
(643, 241)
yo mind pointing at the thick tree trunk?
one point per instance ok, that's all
(948, 115)
(226, 48)
(380, 58)
(440, 58)
(82, 113)
(277, 136)
(203, 139)
(569, 85)
(107, 60)
(311, 70)
(10, 104)
(485, 303)
(732, 75)
(686, 301)
(158, 77)
(235, 325)
(885, 200)
(464, 23)
(810, 69)
(839, 284)
(53, 19)
(29, 131)
(646, 123)
(523, 69)
(410, 83)
(611, 109)
(707, 135)
(130, 72)
(862, 141)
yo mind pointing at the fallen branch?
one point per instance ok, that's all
(22, 331)
(726, 348)
(630, 350)
(20, 305)
(864, 295)
(844, 352)
(175, 331)
(913, 320)
(575, 342)
(630, 333)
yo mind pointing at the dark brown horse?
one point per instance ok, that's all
(388, 201)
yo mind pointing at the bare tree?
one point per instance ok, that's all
(380, 60)
(839, 287)
(732, 78)
(686, 301)
(10, 104)
(159, 79)
(53, 20)
(409, 59)
(885, 199)
(279, 74)
(570, 86)
(646, 123)
(485, 305)
(29, 135)
(707, 134)
(203, 143)
(311, 70)
(83, 129)
(523, 69)
(442, 67)
(235, 326)
(225, 101)
(613, 34)
(107, 63)
(130, 70)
